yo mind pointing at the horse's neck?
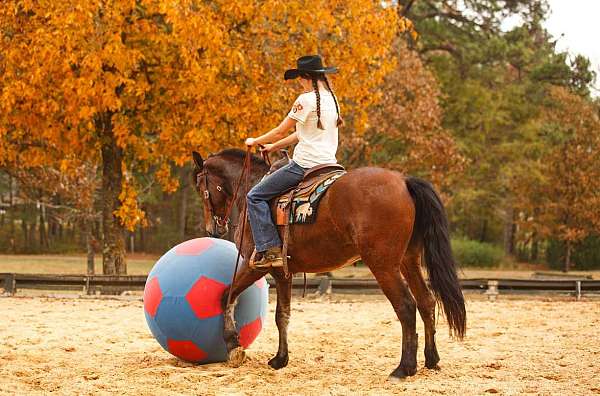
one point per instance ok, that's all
(240, 203)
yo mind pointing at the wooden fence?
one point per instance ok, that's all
(106, 284)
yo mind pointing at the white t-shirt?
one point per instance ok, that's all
(315, 146)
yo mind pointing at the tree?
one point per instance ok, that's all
(405, 131)
(134, 86)
(562, 189)
(493, 84)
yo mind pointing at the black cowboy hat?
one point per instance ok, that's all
(308, 64)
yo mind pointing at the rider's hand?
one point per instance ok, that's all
(268, 148)
(250, 142)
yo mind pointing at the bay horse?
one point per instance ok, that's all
(373, 214)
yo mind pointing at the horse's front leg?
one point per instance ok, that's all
(282, 317)
(245, 277)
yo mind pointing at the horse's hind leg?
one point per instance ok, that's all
(411, 271)
(396, 290)
(282, 317)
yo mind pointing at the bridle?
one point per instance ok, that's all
(224, 221)
(218, 221)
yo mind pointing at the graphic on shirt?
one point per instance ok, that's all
(297, 107)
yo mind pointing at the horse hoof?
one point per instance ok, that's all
(432, 359)
(278, 362)
(400, 373)
(432, 366)
(236, 357)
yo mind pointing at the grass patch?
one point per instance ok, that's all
(469, 253)
(71, 264)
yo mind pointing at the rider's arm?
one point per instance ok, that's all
(286, 141)
(277, 133)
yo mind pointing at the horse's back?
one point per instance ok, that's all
(371, 195)
(363, 208)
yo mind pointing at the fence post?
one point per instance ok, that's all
(86, 285)
(324, 286)
(578, 290)
(10, 285)
(492, 290)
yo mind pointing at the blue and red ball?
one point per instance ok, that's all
(182, 300)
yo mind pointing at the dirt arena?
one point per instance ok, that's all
(514, 346)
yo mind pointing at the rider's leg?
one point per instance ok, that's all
(264, 231)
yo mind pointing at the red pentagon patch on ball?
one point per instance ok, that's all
(186, 350)
(152, 296)
(249, 332)
(205, 297)
(193, 247)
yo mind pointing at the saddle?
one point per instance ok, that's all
(299, 205)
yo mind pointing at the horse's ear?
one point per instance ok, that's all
(198, 161)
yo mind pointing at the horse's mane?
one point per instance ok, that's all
(239, 154)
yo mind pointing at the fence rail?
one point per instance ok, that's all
(108, 284)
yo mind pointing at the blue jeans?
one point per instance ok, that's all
(264, 230)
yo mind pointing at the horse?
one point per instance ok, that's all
(372, 214)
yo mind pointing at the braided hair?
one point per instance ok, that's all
(316, 88)
(316, 77)
(340, 120)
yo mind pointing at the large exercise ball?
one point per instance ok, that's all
(182, 300)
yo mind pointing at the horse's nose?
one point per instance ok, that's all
(222, 231)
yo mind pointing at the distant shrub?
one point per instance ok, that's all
(585, 255)
(469, 253)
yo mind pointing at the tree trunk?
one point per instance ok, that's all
(483, 233)
(568, 257)
(113, 246)
(534, 247)
(32, 243)
(13, 242)
(89, 244)
(183, 203)
(25, 235)
(44, 243)
(509, 231)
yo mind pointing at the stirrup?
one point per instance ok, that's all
(275, 261)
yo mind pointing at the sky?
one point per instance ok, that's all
(579, 23)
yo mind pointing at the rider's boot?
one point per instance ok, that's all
(270, 258)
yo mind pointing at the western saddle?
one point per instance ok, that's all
(282, 205)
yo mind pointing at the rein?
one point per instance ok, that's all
(246, 172)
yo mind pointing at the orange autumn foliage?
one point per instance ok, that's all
(171, 76)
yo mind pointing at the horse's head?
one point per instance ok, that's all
(211, 185)
(216, 180)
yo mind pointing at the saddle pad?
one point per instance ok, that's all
(304, 206)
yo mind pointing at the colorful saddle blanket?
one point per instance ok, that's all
(305, 200)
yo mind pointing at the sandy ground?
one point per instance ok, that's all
(340, 346)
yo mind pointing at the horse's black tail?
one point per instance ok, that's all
(431, 226)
